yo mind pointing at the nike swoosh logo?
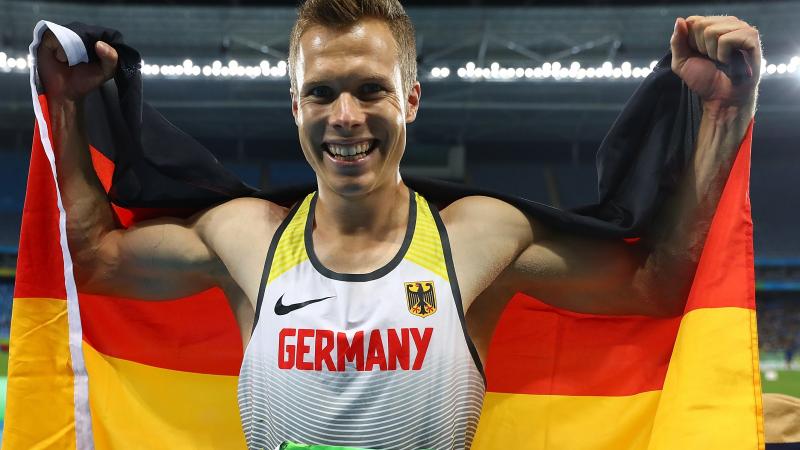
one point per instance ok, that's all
(281, 309)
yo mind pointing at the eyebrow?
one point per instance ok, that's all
(375, 77)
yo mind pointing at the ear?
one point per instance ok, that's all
(412, 102)
(294, 104)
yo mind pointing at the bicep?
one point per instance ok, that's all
(157, 259)
(587, 275)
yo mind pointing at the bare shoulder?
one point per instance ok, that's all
(239, 232)
(486, 214)
(245, 215)
(486, 235)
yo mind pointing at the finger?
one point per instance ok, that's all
(108, 58)
(61, 56)
(679, 45)
(50, 44)
(696, 40)
(49, 40)
(712, 33)
(745, 39)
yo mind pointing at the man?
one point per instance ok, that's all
(351, 304)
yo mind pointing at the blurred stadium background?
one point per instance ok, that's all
(517, 96)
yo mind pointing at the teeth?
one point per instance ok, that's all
(349, 149)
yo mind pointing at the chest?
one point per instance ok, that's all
(393, 320)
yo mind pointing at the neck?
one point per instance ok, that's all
(379, 212)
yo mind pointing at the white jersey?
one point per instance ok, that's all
(379, 360)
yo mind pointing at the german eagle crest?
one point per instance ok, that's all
(421, 298)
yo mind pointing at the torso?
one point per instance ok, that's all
(407, 316)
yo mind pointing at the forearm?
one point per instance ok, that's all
(680, 229)
(89, 214)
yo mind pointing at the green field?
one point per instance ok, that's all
(3, 359)
(787, 382)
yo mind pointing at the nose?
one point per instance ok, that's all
(346, 114)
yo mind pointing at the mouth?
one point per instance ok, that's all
(350, 152)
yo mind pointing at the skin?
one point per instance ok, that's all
(349, 89)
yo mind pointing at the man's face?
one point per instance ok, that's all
(349, 106)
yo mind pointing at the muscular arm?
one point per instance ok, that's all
(157, 259)
(653, 277)
(114, 261)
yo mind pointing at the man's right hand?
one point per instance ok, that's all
(65, 83)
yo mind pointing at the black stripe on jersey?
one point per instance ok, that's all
(451, 273)
(361, 277)
(268, 261)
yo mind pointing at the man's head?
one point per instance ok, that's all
(346, 13)
(354, 89)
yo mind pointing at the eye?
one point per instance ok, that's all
(371, 88)
(320, 91)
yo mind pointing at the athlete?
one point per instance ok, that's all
(354, 327)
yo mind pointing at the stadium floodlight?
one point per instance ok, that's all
(549, 71)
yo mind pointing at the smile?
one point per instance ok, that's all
(351, 151)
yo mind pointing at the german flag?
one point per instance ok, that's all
(88, 371)
(562, 380)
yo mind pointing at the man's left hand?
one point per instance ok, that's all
(700, 44)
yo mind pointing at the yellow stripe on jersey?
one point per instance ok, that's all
(426, 246)
(291, 249)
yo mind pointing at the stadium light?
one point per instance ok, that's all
(551, 71)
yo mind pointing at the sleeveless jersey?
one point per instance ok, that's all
(379, 360)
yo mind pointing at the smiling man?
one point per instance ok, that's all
(351, 304)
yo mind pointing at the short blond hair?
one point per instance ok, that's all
(345, 13)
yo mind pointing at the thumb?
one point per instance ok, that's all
(108, 59)
(679, 45)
